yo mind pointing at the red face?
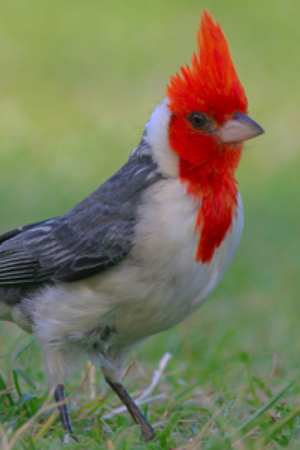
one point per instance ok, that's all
(204, 97)
(202, 100)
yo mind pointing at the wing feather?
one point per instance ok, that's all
(96, 234)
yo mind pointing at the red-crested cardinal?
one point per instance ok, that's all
(150, 245)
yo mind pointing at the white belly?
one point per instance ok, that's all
(156, 287)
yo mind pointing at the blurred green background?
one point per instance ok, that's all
(78, 81)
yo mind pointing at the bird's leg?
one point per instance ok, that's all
(146, 429)
(63, 411)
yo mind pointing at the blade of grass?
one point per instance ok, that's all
(193, 445)
(25, 377)
(30, 422)
(45, 427)
(252, 420)
(276, 428)
(18, 353)
(16, 383)
(4, 388)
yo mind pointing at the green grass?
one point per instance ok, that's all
(78, 80)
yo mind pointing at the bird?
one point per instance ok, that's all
(150, 245)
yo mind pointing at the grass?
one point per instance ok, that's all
(78, 80)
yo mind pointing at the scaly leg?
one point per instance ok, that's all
(146, 429)
(63, 411)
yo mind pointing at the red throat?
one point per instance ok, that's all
(218, 193)
(207, 166)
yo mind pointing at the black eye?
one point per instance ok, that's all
(198, 120)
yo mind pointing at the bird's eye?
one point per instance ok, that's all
(198, 120)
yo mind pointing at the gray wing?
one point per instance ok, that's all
(94, 235)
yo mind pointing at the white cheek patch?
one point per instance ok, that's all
(157, 130)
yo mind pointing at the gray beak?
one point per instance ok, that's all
(239, 128)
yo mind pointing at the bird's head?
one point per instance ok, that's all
(198, 134)
(208, 106)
